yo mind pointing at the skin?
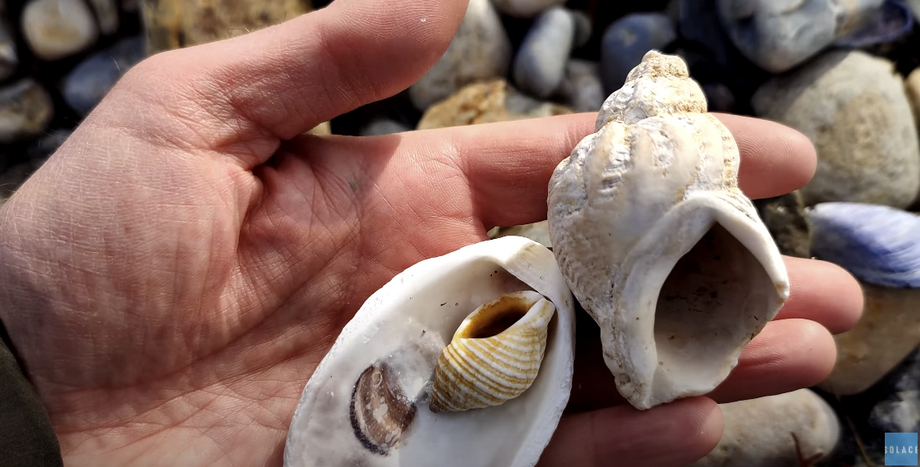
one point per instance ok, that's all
(174, 273)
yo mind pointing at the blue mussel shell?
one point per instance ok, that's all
(877, 244)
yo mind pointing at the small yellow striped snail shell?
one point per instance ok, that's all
(494, 355)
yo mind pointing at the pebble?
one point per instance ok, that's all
(173, 24)
(583, 28)
(893, 20)
(481, 50)
(900, 411)
(107, 13)
(540, 63)
(778, 35)
(56, 29)
(25, 110)
(525, 8)
(627, 40)
(854, 109)
(89, 81)
(486, 102)
(383, 126)
(581, 88)
(888, 331)
(9, 60)
(758, 432)
(915, 7)
(785, 218)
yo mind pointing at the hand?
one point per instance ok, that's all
(174, 273)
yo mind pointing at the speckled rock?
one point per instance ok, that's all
(9, 60)
(785, 218)
(900, 411)
(55, 29)
(537, 231)
(525, 8)
(107, 14)
(780, 34)
(487, 102)
(854, 109)
(25, 110)
(627, 40)
(383, 126)
(581, 88)
(89, 81)
(172, 24)
(758, 432)
(479, 51)
(887, 332)
(540, 62)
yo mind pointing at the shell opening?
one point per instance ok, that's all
(495, 355)
(495, 317)
(713, 287)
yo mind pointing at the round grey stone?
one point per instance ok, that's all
(581, 88)
(480, 50)
(540, 62)
(627, 40)
(854, 109)
(777, 35)
(89, 81)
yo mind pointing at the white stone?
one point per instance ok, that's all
(57, 29)
(758, 432)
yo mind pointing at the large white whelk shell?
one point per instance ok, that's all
(495, 354)
(657, 241)
(367, 402)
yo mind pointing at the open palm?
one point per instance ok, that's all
(175, 272)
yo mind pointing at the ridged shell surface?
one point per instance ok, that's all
(495, 355)
(368, 401)
(657, 241)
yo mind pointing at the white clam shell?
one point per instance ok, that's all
(657, 241)
(367, 402)
(489, 362)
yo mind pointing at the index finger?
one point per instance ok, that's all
(509, 164)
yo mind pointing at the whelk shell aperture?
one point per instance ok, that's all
(495, 354)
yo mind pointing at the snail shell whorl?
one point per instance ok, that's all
(495, 354)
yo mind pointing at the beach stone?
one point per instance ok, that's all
(481, 50)
(889, 23)
(777, 35)
(581, 88)
(9, 59)
(107, 15)
(487, 102)
(888, 331)
(540, 63)
(627, 40)
(758, 432)
(56, 29)
(91, 80)
(383, 126)
(900, 411)
(25, 110)
(173, 24)
(915, 7)
(525, 8)
(854, 109)
(583, 28)
(785, 218)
